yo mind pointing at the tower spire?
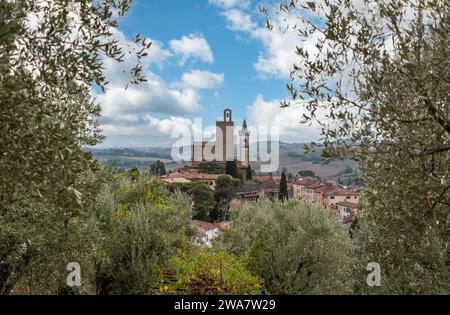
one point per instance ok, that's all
(244, 135)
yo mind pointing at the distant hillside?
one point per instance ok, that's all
(292, 158)
(296, 150)
(163, 153)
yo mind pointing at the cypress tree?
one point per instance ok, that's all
(283, 192)
(231, 169)
(249, 175)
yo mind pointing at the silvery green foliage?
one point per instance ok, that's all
(377, 80)
(37, 242)
(51, 53)
(142, 226)
(296, 248)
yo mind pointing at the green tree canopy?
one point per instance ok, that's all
(204, 202)
(225, 191)
(296, 248)
(143, 225)
(158, 168)
(381, 72)
(204, 266)
(46, 71)
(47, 116)
(232, 170)
(212, 167)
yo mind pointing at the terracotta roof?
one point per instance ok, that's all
(270, 184)
(339, 191)
(249, 187)
(202, 225)
(307, 180)
(326, 188)
(347, 204)
(315, 185)
(223, 225)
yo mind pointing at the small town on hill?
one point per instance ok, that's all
(227, 155)
(341, 201)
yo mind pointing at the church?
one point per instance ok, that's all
(223, 149)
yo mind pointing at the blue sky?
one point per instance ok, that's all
(207, 55)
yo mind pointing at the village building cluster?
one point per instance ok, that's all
(342, 201)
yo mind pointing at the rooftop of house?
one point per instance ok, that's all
(330, 188)
(203, 225)
(225, 225)
(325, 188)
(305, 181)
(338, 191)
(315, 185)
(249, 187)
(270, 185)
(347, 204)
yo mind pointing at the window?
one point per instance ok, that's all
(331, 197)
(356, 197)
(348, 197)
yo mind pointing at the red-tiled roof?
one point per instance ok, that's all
(249, 187)
(347, 204)
(315, 185)
(339, 191)
(305, 181)
(205, 226)
(270, 184)
(326, 188)
(223, 225)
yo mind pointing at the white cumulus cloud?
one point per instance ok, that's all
(239, 21)
(128, 110)
(266, 114)
(193, 46)
(277, 56)
(198, 79)
(227, 4)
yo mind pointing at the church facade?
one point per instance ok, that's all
(223, 149)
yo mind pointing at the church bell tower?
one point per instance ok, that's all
(244, 136)
(224, 149)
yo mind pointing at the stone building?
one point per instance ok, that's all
(223, 149)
